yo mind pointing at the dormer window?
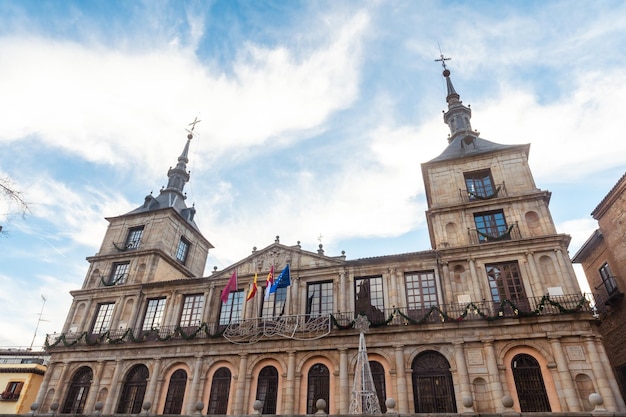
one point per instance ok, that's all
(479, 184)
(134, 237)
(182, 250)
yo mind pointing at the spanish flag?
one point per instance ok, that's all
(252, 292)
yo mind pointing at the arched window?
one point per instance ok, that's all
(133, 391)
(433, 391)
(175, 393)
(267, 389)
(378, 375)
(220, 390)
(77, 392)
(531, 391)
(318, 387)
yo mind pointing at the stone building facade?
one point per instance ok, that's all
(493, 311)
(603, 258)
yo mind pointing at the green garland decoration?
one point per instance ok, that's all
(153, 335)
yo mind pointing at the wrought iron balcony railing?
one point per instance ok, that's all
(468, 196)
(310, 327)
(510, 232)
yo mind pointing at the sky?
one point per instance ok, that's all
(315, 118)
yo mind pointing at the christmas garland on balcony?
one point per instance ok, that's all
(128, 335)
(153, 335)
(472, 194)
(503, 236)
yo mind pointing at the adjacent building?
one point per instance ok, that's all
(603, 258)
(21, 374)
(491, 316)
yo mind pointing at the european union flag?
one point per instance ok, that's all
(283, 280)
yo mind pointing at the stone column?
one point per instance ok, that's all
(565, 272)
(609, 371)
(241, 384)
(448, 296)
(290, 393)
(88, 313)
(117, 312)
(403, 403)
(495, 385)
(208, 314)
(530, 259)
(604, 388)
(70, 317)
(478, 288)
(461, 370)
(115, 388)
(150, 393)
(343, 407)
(294, 299)
(565, 377)
(195, 387)
(342, 293)
(393, 288)
(94, 389)
(43, 390)
(61, 385)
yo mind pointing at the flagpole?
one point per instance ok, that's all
(38, 321)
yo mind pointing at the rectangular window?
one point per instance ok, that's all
(192, 310)
(505, 282)
(491, 226)
(134, 237)
(232, 309)
(119, 273)
(12, 390)
(182, 250)
(102, 322)
(319, 298)
(154, 314)
(608, 279)
(479, 184)
(421, 291)
(369, 300)
(274, 306)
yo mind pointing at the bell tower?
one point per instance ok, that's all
(487, 219)
(157, 241)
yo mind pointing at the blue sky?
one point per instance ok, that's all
(315, 119)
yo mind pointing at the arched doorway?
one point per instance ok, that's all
(133, 391)
(175, 393)
(531, 390)
(77, 392)
(433, 391)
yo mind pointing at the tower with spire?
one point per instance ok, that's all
(157, 241)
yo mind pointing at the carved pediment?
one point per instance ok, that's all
(260, 261)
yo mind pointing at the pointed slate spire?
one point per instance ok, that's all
(178, 176)
(458, 116)
(172, 195)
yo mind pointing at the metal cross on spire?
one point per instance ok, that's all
(443, 60)
(196, 121)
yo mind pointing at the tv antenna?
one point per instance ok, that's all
(39, 320)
